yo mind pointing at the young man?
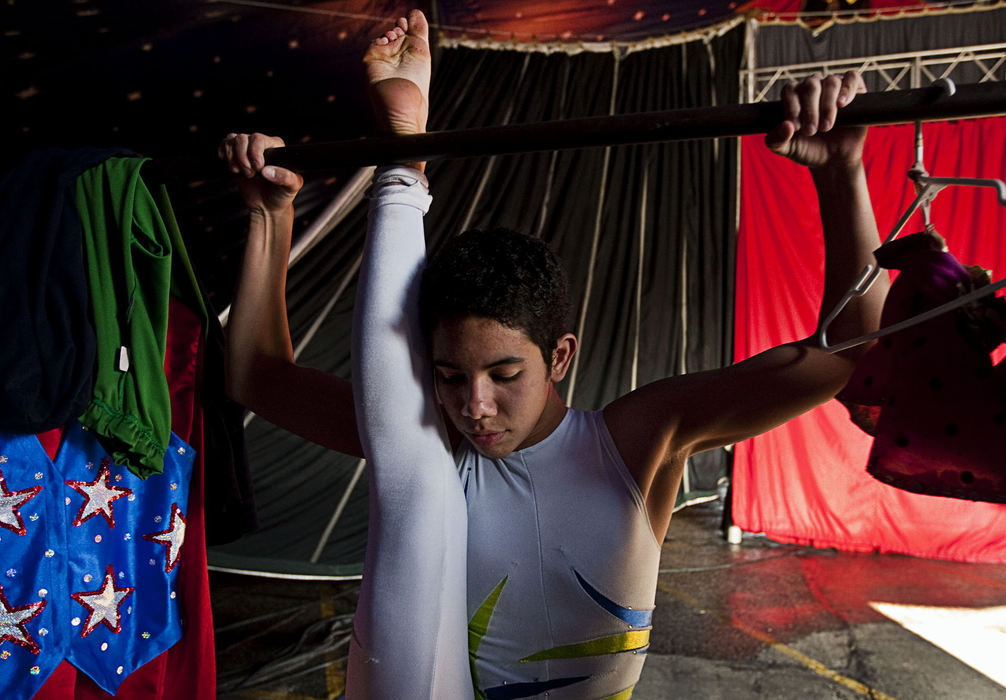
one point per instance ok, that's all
(566, 510)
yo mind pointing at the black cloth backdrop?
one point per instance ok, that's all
(678, 198)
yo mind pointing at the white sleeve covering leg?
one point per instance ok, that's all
(410, 629)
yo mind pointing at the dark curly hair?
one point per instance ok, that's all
(503, 275)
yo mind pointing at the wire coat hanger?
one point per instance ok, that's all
(926, 187)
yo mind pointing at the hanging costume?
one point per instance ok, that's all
(90, 555)
(562, 566)
(147, 261)
(187, 669)
(929, 393)
(409, 635)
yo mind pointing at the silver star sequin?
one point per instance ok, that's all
(10, 504)
(13, 620)
(103, 604)
(173, 537)
(98, 496)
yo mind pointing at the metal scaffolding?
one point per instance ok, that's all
(897, 71)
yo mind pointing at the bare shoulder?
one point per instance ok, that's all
(664, 422)
(658, 426)
(645, 424)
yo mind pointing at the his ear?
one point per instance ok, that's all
(562, 356)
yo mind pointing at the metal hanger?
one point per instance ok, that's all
(926, 188)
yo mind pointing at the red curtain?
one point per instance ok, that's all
(806, 481)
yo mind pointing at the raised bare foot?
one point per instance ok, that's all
(398, 70)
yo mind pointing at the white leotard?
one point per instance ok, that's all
(562, 566)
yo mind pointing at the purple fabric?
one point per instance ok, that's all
(930, 394)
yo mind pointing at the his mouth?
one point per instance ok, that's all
(485, 438)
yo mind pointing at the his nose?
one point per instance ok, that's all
(479, 403)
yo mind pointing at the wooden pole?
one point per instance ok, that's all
(934, 103)
(870, 109)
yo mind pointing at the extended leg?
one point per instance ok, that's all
(410, 637)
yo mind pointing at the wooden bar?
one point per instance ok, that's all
(871, 109)
(726, 121)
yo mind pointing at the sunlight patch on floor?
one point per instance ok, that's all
(976, 636)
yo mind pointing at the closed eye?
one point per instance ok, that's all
(451, 379)
(506, 377)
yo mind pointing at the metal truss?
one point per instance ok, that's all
(972, 64)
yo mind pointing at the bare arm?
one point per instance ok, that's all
(659, 425)
(261, 372)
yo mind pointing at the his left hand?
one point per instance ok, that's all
(807, 135)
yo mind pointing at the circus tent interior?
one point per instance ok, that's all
(682, 256)
(174, 78)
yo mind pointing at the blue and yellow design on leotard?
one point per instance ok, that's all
(635, 640)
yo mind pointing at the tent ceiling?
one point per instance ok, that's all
(174, 77)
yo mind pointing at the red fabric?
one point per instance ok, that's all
(191, 663)
(188, 669)
(806, 481)
(51, 440)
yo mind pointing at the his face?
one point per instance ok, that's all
(494, 385)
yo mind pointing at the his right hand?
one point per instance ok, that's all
(266, 189)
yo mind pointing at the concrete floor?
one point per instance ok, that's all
(757, 619)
